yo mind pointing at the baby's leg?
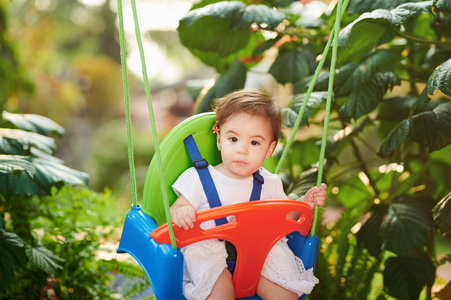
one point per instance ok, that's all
(223, 288)
(267, 289)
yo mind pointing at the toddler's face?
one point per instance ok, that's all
(245, 141)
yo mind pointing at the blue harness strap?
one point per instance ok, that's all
(201, 166)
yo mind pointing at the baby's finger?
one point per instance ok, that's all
(192, 215)
(176, 220)
(184, 224)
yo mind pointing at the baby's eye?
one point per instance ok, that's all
(233, 139)
(255, 143)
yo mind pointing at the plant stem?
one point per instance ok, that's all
(413, 38)
(358, 156)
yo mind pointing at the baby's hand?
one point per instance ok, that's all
(184, 217)
(315, 196)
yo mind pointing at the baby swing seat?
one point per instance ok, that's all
(258, 225)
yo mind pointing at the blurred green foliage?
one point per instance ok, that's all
(51, 234)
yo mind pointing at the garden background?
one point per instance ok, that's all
(64, 181)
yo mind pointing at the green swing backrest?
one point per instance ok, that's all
(175, 160)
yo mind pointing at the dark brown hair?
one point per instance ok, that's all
(253, 102)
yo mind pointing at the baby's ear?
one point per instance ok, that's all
(271, 148)
(218, 142)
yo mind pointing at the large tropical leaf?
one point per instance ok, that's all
(12, 256)
(292, 64)
(34, 123)
(361, 6)
(18, 182)
(440, 79)
(38, 176)
(430, 128)
(233, 79)
(224, 28)
(399, 135)
(360, 36)
(433, 129)
(397, 108)
(365, 97)
(443, 5)
(220, 63)
(369, 235)
(442, 214)
(290, 114)
(19, 142)
(405, 277)
(43, 259)
(15, 164)
(405, 228)
(51, 173)
(353, 191)
(365, 83)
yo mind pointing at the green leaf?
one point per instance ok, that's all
(38, 177)
(17, 184)
(221, 63)
(233, 79)
(399, 135)
(443, 5)
(406, 226)
(50, 173)
(369, 236)
(354, 41)
(365, 83)
(405, 277)
(17, 141)
(225, 28)
(430, 128)
(290, 114)
(34, 123)
(361, 6)
(292, 64)
(12, 257)
(440, 79)
(15, 164)
(442, 214)
(361, 35)
(265, 46)
(397, 108)
(433, 128)
(305, 181)
(353, 191)
(43, 259)
(366, 97)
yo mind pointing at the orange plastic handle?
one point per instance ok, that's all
(258, 226)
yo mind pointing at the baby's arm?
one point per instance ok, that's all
(183, 213)
(314, 196)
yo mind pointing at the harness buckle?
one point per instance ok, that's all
(258, 177)
(200, 164)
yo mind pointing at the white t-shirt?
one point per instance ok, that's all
(230, 190)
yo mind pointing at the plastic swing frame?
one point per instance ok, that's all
(149, 244)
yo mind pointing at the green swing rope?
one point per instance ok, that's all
(340, 9)
(151, 114)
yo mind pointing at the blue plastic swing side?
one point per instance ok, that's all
(162, 265)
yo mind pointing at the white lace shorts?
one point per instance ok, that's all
(205, 261)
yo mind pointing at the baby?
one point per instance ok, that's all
(248, 125)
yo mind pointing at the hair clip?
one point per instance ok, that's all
(215, 129)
